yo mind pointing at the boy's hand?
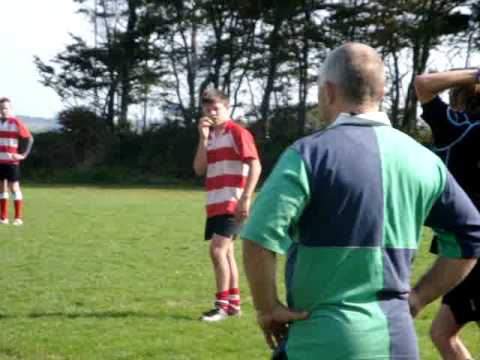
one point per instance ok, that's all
(204, 127)
(18, 157)
(242, 211)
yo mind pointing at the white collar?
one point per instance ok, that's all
(366, 119)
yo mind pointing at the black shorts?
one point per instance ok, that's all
(223, 225)
(464, 300)
(10, 172)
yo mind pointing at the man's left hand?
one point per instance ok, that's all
(414, 303)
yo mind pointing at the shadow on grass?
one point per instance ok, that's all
(182, 186)
(109, 314)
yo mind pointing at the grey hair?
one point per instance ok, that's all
(358, 72)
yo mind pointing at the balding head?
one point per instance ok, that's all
(358, 73)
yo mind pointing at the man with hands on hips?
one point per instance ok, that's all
(347, 207)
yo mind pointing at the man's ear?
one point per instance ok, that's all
(381, 95)
(330, 92)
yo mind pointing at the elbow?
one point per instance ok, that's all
(421, 84)
(257, 166)
(199, 171)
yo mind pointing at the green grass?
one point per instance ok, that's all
(123, 273)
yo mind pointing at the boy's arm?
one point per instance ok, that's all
(29, 147)
(242, 210)
(200, 161)
(429, 85)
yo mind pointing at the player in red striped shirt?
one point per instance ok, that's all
(12, 130)
(228, 156)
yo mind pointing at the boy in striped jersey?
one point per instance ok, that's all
(11, 130)
(227, 155)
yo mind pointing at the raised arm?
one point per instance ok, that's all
(429, 85)
(200, 161)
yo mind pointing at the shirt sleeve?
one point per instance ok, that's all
(245, 144)
(447, 124)
(23, 131)
(273, 221)
(456, 222)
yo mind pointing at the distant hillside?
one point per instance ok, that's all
(39, 124)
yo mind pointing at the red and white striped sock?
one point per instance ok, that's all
(234, 300)
(4, 205)
(18, 203)
(221, 300)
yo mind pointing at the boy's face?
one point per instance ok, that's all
(217, 111)
(5, 110)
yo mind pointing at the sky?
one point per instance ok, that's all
(29, 28)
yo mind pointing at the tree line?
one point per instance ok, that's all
(147, 61)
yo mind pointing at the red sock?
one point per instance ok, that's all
(234, 300)
(18, 208)
(3, 209)
(222, 300)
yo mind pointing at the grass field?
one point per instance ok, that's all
(123, 273)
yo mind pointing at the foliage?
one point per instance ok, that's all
(152, 56)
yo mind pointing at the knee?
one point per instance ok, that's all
(436, 335)
(217, 252)
(14, 187)
(441, 338)
(17, 195)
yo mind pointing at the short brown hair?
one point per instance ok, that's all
(210, 96)
(4, 100)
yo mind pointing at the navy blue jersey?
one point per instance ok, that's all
(456, 138)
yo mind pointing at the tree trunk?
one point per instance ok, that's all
(271, 75)
(127, 64)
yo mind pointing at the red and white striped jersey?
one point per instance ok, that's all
(227, 170)
(10, 131)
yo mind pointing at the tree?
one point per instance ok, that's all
(113, 68)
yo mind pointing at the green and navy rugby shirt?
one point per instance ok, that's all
(347, 204)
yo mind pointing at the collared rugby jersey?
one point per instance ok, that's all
(228, 154)
(347, 205)
(10, 131)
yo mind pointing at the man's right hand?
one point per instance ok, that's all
(275, 324)
(204, 127)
